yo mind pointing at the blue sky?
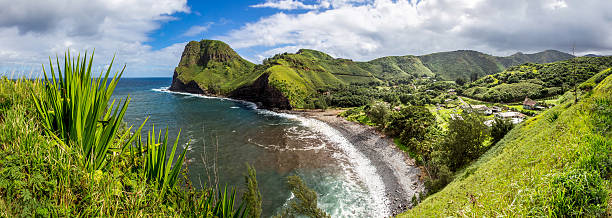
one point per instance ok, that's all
(149, 35)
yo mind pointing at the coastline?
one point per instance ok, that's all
(398, 171)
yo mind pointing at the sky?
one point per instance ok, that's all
(149, 35)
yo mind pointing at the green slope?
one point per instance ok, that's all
(465, 63)
(461, 64)
(551, 165)
(214, 66)
(547, 56)
(536, 80)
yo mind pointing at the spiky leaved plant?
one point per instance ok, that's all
(75, 110)
(152, 156)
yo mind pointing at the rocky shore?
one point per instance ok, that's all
(398, 171)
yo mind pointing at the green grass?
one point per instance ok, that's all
(45, 173)
(529, 172)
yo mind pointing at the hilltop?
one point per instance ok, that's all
(299, 80)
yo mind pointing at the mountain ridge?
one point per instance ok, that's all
(212, 67)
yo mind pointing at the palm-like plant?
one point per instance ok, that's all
(75, 110)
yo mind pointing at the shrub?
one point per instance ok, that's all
(464, 141)
(554, 115)
(252, 196)
(379, 113)
(305, 202)
(500, 128)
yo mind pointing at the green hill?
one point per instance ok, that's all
(213, 66)
(554, 164)
(547, 56)
(461, 64)
(536, 80)
(296, 80)
(465, 63)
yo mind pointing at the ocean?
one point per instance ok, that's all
(222, 135)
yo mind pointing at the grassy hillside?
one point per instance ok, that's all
(537, 80)
(466, 64)
(555, 164)
(547, 56)
(461, 64)
(218, 69)
(214, 66)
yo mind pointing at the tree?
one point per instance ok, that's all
(500, 128)
(252, 196)
(410, 122)
(474, 76)
(464, 140)
(379, 112)
(305, 202)
(460, 81)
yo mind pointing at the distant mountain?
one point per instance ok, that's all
(289, 80)
(466, 63)
(592, 55)
(461, 64)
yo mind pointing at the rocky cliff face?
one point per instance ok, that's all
(190, 87)
(211, 67)
(263, 94)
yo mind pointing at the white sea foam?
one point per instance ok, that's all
(359, 163)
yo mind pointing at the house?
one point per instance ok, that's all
(482, 108)
(514, 117)
(496, 109)
(510, 114)
(529, 104)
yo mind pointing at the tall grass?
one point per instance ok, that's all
(75, 108)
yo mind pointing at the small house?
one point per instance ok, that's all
(482, 108)
(510, 114)
(529, 104)
(514, 117)
(496, 109)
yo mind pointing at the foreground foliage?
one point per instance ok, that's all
(64, 154)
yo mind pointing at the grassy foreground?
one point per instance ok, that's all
(65, 151)
(556, 164)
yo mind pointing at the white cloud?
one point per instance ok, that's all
(364, 30)
(290, 5)
(197, 29)
(31, 31)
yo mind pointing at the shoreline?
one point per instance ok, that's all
(398, 171)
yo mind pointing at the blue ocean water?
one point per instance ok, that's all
(223, 134)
